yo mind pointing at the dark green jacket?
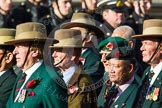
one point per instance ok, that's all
(7, 81)
(48, 91)
(93, 67)
(157, 84)
(127, 98)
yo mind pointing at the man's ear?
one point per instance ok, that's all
(88, 38)
(9, 57)
(35, 53)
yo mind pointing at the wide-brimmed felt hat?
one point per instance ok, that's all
(151, 28)
(68, 38)
(112, 43)
(6, 34)
(83, 20)
(121, 53)
(28, 32)
(116, 5)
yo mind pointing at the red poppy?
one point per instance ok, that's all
(72, 89)
(31, 83)
(31, 93)
(110, 46)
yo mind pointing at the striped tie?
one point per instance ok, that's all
(144, 89)
(20, 83)
(114, 95)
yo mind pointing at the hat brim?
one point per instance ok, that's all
(148, 36)
(14, 41)
(55, 47)
(97, 31)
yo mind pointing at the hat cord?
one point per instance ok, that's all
(27, 54)
(154, 52)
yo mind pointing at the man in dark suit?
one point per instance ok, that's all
(7, 60)
(121, 72)
(36, 85)
(150, 93)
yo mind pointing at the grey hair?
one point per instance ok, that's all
(125, 32)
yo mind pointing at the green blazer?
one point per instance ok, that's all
(7, 81)
(93, 67)
(81, 92)
(48, 91)
(157, 84)
(101, 98)
(127, 98)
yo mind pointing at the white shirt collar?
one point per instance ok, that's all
(123, 87)
(69, 73)
(2, 72)
(157, 68)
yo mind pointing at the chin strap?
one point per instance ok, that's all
(158, 46)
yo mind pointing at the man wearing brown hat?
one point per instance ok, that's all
(7, 60)
(150, 93)
(91, 34)
(112, 13)
(35, 86)
(81, 91)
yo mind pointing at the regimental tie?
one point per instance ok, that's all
(112, 99)
(144, 88)
(20, 83)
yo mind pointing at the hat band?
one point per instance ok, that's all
(85, 21)
(153, 30)
(31, 35)
(6, 38)
(68, 42)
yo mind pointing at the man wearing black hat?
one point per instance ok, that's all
(121, 73)
(112, 13)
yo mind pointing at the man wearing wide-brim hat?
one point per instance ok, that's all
(150, 93)
(66, 56)
(7, 60)
(112, 12)
(34, 86)
(90, 35)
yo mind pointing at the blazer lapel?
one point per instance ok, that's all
(4, 76)
(75, 77)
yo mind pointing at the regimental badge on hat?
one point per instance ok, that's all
(121, 53)
(112, 43)
(116, 5)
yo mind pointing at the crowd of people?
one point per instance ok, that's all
(104, 54)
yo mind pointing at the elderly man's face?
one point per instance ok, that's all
(5, 4)
(119, 71)
(148, 48)
(62, 58)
